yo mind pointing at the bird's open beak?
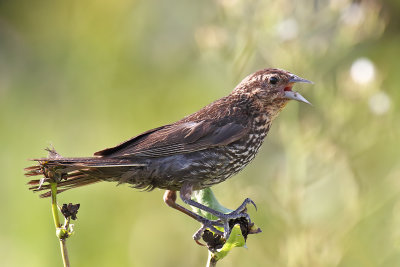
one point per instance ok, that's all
(296, 96)
(289, 94)
(297, 79)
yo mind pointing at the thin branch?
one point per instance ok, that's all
(212, 260)
(54, 207)
(61, 233)
(64, 252)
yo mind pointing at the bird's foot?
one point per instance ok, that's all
(216, 221)
(227, 221)
(205, 226)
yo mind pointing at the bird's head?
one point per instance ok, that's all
(272, 88)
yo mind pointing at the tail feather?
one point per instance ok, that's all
(71, 173)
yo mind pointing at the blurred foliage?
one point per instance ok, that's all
(84, 75)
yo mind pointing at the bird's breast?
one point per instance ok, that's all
(245, 149)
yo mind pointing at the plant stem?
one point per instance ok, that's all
(54, 209)
(64, 252)
(212, 260)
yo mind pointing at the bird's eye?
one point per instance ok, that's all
(273, 80)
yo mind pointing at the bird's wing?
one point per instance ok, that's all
(180, 138)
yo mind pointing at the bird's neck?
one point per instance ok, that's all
(273, 109)
(265, 111)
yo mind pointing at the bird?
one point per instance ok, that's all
(196, 152)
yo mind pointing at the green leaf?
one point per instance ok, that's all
(207, 198)
(235, 239)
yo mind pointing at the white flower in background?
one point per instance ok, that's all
(379, 103)
(362, 71)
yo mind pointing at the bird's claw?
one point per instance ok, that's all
(244, 205)
(207, 224)
(225, 220)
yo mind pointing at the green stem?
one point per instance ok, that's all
(64, 252)
(54, 209)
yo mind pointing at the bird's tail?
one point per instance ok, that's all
(70, 173)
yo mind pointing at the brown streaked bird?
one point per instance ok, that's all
(196, 152)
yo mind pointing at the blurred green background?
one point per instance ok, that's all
(85, 75)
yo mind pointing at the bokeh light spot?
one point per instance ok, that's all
(353, 15)
(362, 71)
(287, 29)
(379, 103)
(211, 37)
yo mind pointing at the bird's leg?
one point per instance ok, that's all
(186, 193)
(170, 200)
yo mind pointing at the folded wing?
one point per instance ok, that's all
(180, 138)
